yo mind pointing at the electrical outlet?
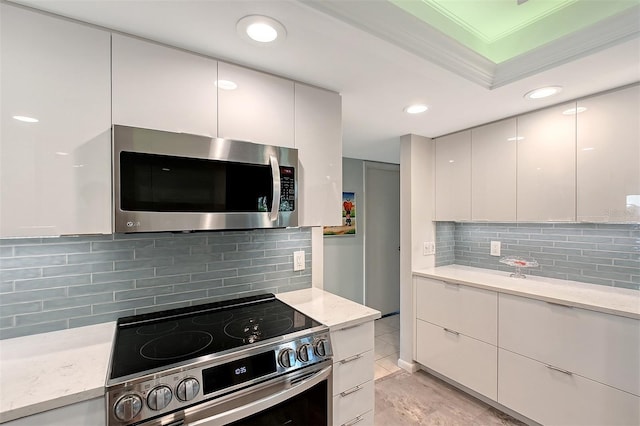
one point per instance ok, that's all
(495, 248)
(428, 247)
(298, 260)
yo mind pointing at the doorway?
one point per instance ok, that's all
(382, 237)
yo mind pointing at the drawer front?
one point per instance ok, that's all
(468, 310)
(468, 361)
(352, 403)
(599, 346)
(351, 341)
(551, 397)
(352, 371)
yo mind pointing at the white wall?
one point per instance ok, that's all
(344, 256)
(417, 174)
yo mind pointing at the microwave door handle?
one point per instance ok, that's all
(275, 172)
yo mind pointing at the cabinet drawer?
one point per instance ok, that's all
(352, 403)
(351, 341)
(552, 397)
(352, 371)
(468, 310)
(468, 361)
(602, 347)
(365, 419)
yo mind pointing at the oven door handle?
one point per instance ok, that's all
(287, 389)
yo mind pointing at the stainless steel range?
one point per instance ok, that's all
(253, 360)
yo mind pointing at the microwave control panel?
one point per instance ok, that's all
(287, 189)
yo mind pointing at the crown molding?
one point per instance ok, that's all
(390, 23)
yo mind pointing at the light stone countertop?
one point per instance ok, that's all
(50, 370)
(611, 300)
(334, 311)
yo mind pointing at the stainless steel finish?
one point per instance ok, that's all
(275, 204)
(350, 359)
(128, 407)
(551, 367)
(141, 388)
(451, 331)
(148, 141)
(350, 391)
(320, 347)
(249, 401)
(159, 397)
(354, 421)
(187, 389)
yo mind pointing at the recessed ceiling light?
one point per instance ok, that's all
(226, 85)
(26, 119)
(543, 92)
(416, 109)
(572, 111)
(261, 29)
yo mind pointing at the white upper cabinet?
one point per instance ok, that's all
(493, 172)
(318, 132)
(163, 88)
(608, 169)
(453, 177)
(259, 109)
(56, 172)
(547, 166)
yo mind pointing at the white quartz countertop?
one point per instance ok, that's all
(612, 300)
(328, 308)
(50, 370)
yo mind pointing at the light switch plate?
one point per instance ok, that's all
(428, 247)
(298, 260)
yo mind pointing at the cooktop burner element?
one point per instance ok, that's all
(151, 341)
(176, 345)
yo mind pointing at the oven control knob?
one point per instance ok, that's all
(159, 397)
(127, 407)
(303, 352)
(287, 357)
(320, 347)
(187, 389)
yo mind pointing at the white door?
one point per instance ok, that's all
(382, 237)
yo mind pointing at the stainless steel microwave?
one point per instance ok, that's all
(165, 181)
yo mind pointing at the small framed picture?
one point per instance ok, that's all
(348, 226)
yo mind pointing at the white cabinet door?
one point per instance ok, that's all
(163, 88)
(468, 361)
(553, 397)
(259, 109)
(493, 172)
(351, 341)
(608, 156)
(463, 309)
(318, 137)
(602, 347)
(453, 177)
(353, 403)
(546, 179)
(55, 173)
(91, 412)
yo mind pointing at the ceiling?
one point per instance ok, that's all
(470, 66)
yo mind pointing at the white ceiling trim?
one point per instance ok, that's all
(390, 23)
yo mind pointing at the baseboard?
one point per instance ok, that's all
(411, 367)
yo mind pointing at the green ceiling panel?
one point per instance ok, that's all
(503, 29)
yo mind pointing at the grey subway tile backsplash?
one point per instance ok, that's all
(51, 284)
(603, 254)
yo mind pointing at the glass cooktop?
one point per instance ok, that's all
(150, 341)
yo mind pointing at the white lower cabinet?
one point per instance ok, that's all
(553, 397)
(353, 365)
(91, 412)
(466, 360)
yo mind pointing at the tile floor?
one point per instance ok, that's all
(387, 345)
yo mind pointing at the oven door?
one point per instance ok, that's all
(302, 397)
